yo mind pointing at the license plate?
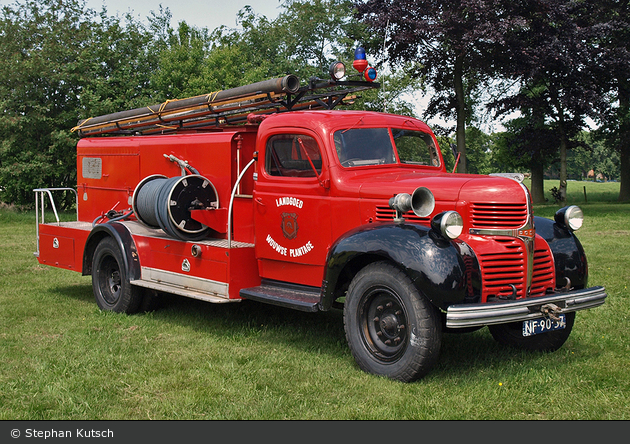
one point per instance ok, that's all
(543, 325)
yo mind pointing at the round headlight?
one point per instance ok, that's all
(337, 70)
(571, 217)
(449, 223)
(574, 217)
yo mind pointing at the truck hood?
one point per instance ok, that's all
(445, 186)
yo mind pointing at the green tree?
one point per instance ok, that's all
(592, 154)
(580, 161)
(320, 32)
(42, 46)
(551, 56)
(450, 42)
(62, 62)
(612, 72)
(250, 53)
(478, 151)
(121, 62)
(304, 40)
(180, 68)
(527, 144)
(604, 161)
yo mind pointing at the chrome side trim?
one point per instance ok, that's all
(189, 286)
(476, 315)
(520, 232)
(519, 177)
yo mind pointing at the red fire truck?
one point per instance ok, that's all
(267, 193)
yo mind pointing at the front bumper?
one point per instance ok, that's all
(477, 315)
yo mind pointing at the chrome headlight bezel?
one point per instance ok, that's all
(571, 217)
(450, 224)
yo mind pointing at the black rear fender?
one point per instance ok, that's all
(125, 242)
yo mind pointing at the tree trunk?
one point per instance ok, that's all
(624, 188)
(460, 132)
(563, 167)
(564, 144)
(624, 140)
(537, 187)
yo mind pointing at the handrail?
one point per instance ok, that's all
(238, 181)
(40, 207)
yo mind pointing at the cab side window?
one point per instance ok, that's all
(293, 155)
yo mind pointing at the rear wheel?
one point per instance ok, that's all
(391, 329)
(110, 280)
(512, 335)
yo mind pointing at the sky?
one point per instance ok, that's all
(200, 13)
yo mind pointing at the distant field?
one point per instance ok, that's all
(62, 358)
(595, 191)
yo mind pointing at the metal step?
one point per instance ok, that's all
(298, 297)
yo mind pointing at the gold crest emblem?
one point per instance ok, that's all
(289, 225)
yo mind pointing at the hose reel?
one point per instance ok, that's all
(166, 203)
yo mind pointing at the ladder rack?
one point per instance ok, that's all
(227, 107)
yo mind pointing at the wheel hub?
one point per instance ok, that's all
(389, 326)
(110, 280)
(385, 324)
(114, 281)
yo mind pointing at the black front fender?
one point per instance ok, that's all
(568, 254)
(433, 264)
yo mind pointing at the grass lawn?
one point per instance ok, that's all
(62, 358)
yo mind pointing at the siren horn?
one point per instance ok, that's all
(422, 202)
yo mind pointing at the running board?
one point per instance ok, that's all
(183, 285)
(298, 297)
(193, 294)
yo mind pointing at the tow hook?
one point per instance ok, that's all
(566, 287)
(512, 296)
(551, 311)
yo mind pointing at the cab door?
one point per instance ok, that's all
(292, 208)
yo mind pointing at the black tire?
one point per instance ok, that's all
(110, 280)
(391, 329)
(512, 335)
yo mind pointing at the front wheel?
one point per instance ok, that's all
(110, 280)
(512, 335)
(391, 329)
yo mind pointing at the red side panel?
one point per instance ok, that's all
(212, 261)
(110, 168)
(61, 246)
(169, 255)
(243, 270)
(107, 174)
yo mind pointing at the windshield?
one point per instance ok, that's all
(379, 146)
